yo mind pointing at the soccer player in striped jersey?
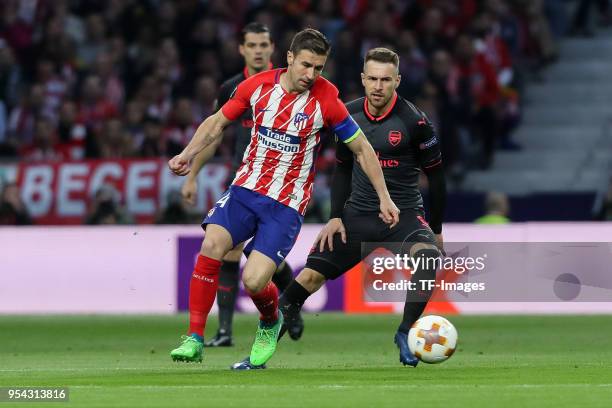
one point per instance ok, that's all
(273, 186)
(256, 47)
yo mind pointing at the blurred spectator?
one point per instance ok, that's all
(70, 132)
(71, 24)
(202, 106)
(2, 125)
(231, 61)
(328, 12)
(12, 209)
(427, 101)
(113, 12)
(44, 146)
(181, 127)
(413, 64)
(431, 35)
(506, 25)
(497, 209)
(105, 213)
(540, 44)
(204, 98)
(54, 88)
(16, 30)
(94, 107)
(56, 47)
(94, 43)
(476, 86)
(207, 64)
(141, 53)
(152, 143)
(167, 67)
(447, 106)
(10, 76)
(166, 18)
(134, 122)
(156, 97)
(175, 212)
(23, 117)
(105, 209)
(492, 47)
(206, 34)
(344, 50)
(112, 86)
(115, 142)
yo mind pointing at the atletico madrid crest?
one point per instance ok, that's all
(395, 137)
(300, 120)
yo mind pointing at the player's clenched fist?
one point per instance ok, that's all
(179, 165)
(389, 212)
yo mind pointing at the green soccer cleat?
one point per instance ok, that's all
(189, 351)
(265, 342)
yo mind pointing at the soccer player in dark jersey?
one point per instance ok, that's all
(273, 186)
(405, 143)
(256, 47)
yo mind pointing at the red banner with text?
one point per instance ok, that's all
(61, 193)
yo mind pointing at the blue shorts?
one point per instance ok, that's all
(245, 214)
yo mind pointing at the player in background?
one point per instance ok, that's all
(405, 143)
(256, 47)
(272, 187)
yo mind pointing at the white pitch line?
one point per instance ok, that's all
(67, 369)
(339, 386)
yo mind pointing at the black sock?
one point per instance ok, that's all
(283, 277)
(293, 297)
(226, 294)
(416, 300)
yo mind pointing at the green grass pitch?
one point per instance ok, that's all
(342, 361)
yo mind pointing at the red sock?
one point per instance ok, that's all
(202, 292)
(266, 301)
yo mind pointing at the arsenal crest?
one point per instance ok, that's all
(395, 137)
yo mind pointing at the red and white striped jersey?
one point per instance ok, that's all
(279, 161)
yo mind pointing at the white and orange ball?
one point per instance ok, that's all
(432, 339)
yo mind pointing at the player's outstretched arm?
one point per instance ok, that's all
(190, 186)
(427, 146)
(437, 201)
(209, 132)
(340, 192)
(366, 157)
(341, 182)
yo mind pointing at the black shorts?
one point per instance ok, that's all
(367, 227)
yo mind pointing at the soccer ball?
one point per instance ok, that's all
(432, 339)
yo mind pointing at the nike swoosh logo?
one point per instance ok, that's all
(278, 253)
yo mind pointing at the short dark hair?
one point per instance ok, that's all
(253, 27)
(383, 55)
(311, 40)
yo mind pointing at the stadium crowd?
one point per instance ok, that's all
(128, 78)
